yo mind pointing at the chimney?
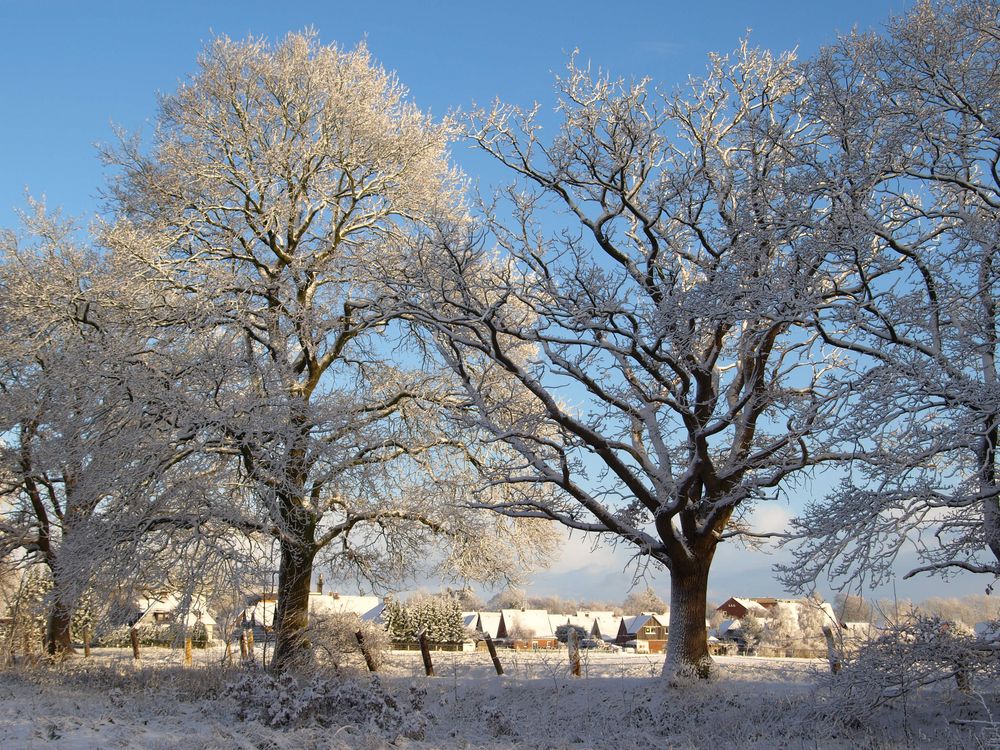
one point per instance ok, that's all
(319, 584)
(335, 594)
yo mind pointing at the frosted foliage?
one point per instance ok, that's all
(92, 463)
(335, 641)
(438, 617)
(658, 375)
(281, 190)
(328, 701)
(908, 656)
(914, 138)
(645, 600)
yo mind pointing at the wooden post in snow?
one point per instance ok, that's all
(832, 652)
(365, 652)
(250, 644)
(243, 645)
(491, 647)
(188, 655)
(573, 646)
(86, 643)
(134, 637)
(425, 652)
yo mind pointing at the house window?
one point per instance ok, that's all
(649, 631)
(161, 617)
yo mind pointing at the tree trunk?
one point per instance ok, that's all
(58, 636)
(292, 615)
(687, 639)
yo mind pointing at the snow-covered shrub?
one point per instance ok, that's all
(286, 700)
(911, 654)
(562, 633)
(332, 637)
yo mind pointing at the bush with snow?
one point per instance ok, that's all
(911, 654)
(285, 700)
(334, 637)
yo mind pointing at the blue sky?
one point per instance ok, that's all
(70, 69)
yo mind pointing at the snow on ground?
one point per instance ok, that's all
(621, 702)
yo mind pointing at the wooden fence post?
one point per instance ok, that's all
(491, 647)
(365, 652)
(573, 646)
(86, 643)
(188, 655)
(250, 644)
(832, 652)
(134, 637)
(243, 645)
(425, 652)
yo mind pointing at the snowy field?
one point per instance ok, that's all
(620, 703)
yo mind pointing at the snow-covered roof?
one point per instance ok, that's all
(169, 603)
(595, 613)
(375, 613)
(632, 624)
(606, 627)
(261, 613)
(581, 621)
(728, 625)
(337, 604)
(470, 620)
(489, 623)
(533, 621)
(368, 608)
(755, 608)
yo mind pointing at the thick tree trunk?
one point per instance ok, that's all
(292, 615)
(58, 636)
(687, 639)
(58, 623)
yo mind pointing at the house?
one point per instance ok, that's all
(728, 629)
(606, 627)
(488, 623)
(260, 613)
(167, 608)
(737, 608)
(470, 621)
(527, 628)
(721, 648)
(368, 608)
(647, 631)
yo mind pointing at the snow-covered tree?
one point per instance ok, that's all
(438, 616)
(665, 378)
(103, 482)
(398, 621)
(69, 432)
(914, 139)
(646, 600)
(280, 183)
(853, 608)
(562, 633)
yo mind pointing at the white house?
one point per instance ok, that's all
(165, 608)
(261, 613)
(532, 628)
